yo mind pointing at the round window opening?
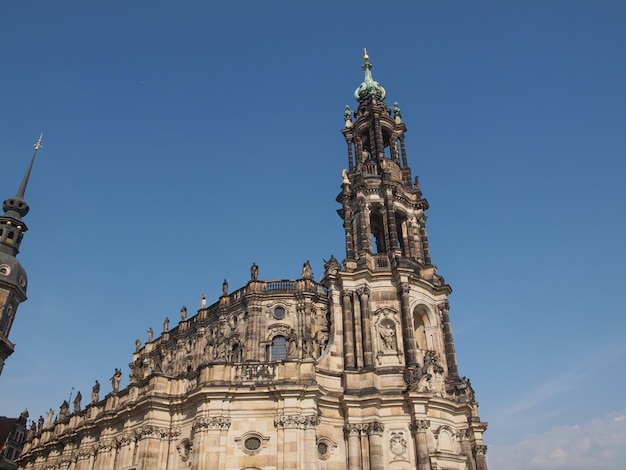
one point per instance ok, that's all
(252, 443)
(322, 448)
(279, 313)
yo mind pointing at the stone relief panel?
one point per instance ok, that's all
(398, 446)
(429, 378)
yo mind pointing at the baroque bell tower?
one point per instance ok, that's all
(391, 310)
(13, 280)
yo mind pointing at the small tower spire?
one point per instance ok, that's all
(13, 281)
(17, 206)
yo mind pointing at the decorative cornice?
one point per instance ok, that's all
(148, 430)
(296, 421)
(211, 422)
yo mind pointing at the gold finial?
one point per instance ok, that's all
(365, 56)
(38, 144)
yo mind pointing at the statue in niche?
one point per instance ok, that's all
(183, 313)
(388, 335)
(95, 392)
(307, 346)
(166, 325)
(292, 341)
(116, 379)
(254, 272)
(221, 350)
(321, 338)
(209, 349)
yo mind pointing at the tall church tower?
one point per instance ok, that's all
(395, 337)
(357, 371)
(13, 279)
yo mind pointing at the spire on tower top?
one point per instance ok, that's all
(17, 204)
(369, 87)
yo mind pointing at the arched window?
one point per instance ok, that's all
(279, 349)
(420, 322)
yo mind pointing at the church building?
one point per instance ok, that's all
(356, 371)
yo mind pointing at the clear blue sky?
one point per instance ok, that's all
(185, 140)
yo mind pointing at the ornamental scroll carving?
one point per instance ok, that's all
(479, 450)
(211, 422)
(364, 429)
(429, 378)
(419, 425)
(296, 421)
(148, 430)
(105, 445)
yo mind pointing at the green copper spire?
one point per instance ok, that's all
(369, 87)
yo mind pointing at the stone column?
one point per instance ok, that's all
(309, 459)
(365, 447)
(353, 433)
(105, 454)
(466, 448)
(480, 454)
(364, 241)
(391, 223)
(150, 447)
(350, 155)
(424, 239)
(403, 151)
(289, 429)
(419, 428)
(366, 324)
(206, 442)
(408, 334)
(453, 370)
(358, 334)
(125, 450)
(347, 226)
(84, 457)
(348, 332)
(377, 460)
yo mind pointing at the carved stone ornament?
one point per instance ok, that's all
(184, 449)
(398, 445)
(211, 422)
(296, 421)
(153, 431)
(479, 450)
(419, 425)
(429, 378)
